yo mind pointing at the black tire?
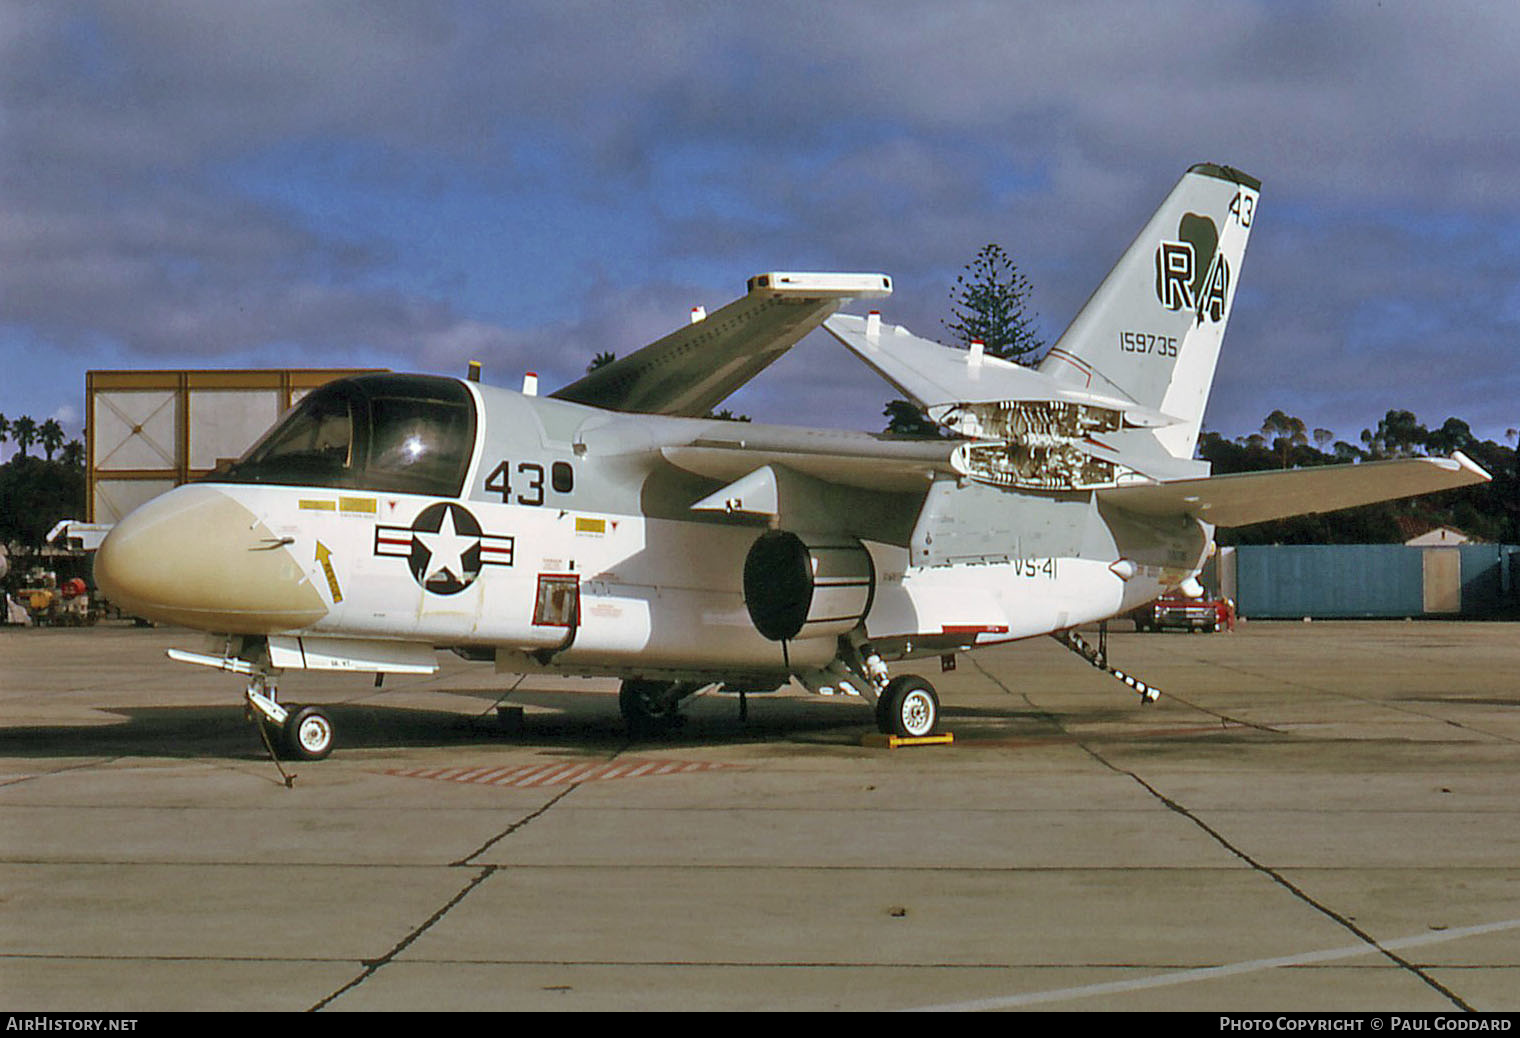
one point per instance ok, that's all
(308, 734)
(649, 707)
(908, 708)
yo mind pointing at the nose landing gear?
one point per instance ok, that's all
(296, 733)
(291, 733)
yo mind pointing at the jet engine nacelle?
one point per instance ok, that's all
(811, 586)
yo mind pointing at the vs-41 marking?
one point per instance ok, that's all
(1035, 568)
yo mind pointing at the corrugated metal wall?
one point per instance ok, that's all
(1373, 580)
(1489, 578)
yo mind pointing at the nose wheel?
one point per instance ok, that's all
(307, 734)
(291, 733)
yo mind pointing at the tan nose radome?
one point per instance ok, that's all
(199, 558)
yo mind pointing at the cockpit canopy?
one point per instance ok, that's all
(409, 434)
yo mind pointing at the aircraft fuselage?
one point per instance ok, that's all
(572, 545)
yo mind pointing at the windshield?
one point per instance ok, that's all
(402, 433)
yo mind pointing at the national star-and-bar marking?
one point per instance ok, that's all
(453, 530)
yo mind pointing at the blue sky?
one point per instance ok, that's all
(414, 185)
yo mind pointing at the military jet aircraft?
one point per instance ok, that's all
(612, 528)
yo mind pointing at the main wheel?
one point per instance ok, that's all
(908, 707)
(649, 707)
(308, 734)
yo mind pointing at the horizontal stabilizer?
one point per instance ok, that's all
(1243, 498)
(938, 377)
(695, 368)
(1029, 429)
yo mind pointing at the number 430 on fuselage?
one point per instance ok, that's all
(610, 529)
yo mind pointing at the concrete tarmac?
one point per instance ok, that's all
(1314, 817)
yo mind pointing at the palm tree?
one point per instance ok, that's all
(5, 429)
(73, 454)
(51, 436)
(24, 431)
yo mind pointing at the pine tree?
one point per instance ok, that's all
(990, 302)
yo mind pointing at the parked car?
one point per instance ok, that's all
(1176, 610)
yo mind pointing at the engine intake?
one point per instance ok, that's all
(816, 587)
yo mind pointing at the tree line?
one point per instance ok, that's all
(1487, 512)
(36, 492)
(25, 432)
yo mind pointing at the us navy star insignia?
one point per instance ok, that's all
(445, 547)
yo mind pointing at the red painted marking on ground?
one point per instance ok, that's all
(558, 773)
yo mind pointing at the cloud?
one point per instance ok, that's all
(413, 184)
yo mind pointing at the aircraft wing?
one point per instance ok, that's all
(858, 460)
(815, 479)
(692, 370)
(1240, 499)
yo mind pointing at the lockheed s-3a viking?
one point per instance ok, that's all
(610, 528)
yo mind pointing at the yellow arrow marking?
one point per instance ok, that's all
(325, 558)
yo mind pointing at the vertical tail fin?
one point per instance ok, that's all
(1151, 332)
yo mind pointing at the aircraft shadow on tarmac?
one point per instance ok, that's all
(576, 722)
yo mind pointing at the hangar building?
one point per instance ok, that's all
(147, 432)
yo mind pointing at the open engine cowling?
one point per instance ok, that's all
(807, 587)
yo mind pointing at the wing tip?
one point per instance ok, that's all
(1478, 472)
(814, 284)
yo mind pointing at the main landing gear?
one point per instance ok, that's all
(653, 707)
(907, 708)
